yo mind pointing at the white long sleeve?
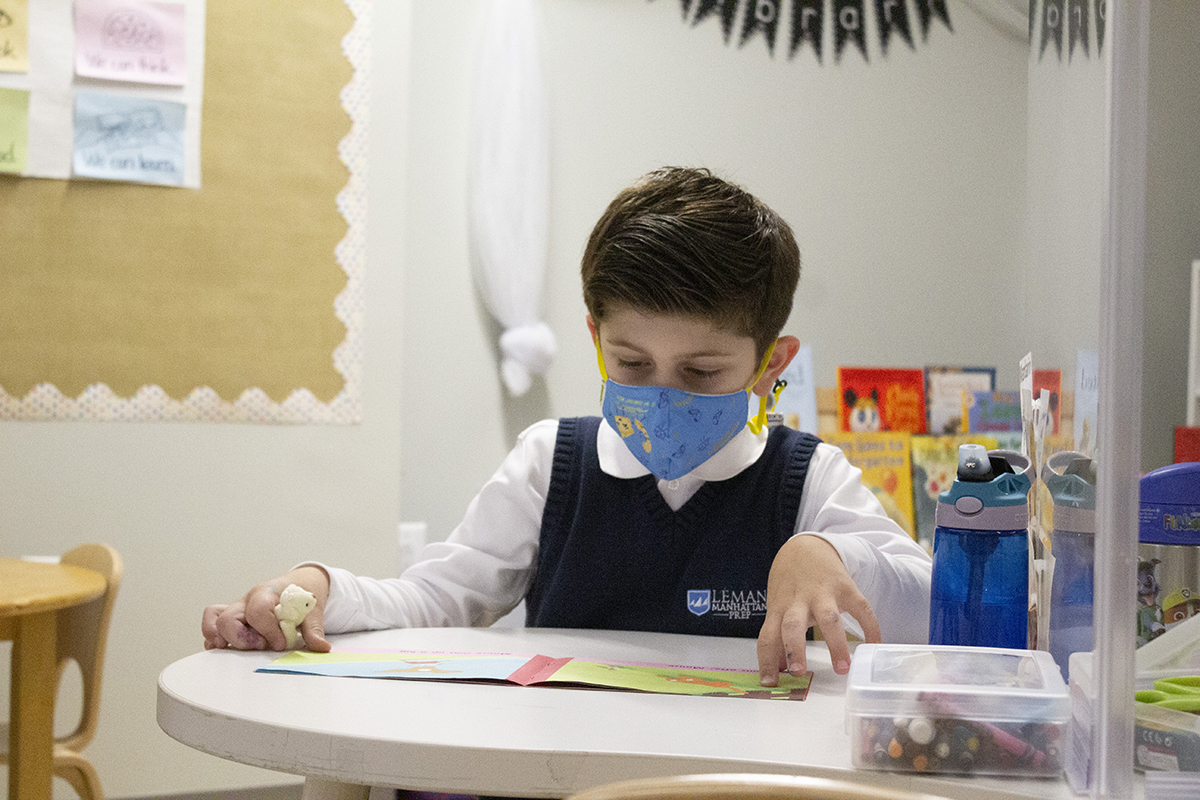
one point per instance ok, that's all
(891, 570)
(484, 568)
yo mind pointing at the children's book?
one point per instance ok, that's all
(1187, 443)
(886, 465)
(797, 404)
(992, 412)
(1051, 381)
(934, 465)
(944, 391)
(540, 670)
(881, 399)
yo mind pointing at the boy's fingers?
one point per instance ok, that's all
(260, 616)
(794, 632)
(865, 616)
(834, 634)
(208, 626)
(312, 628)
(770, 652)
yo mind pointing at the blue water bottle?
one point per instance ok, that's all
(1070, 478)
(980, 594)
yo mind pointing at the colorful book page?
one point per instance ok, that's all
(668, 679)
(131, 40)
(14, 35)
(885, 461)
(127, 138)
(427, 666)
(14, 129)
(881, 399)
(540, 670)
(944, 388)
(934, 464)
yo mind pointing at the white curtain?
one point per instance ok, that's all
(509, 188)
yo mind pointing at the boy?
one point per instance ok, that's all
(640, 519)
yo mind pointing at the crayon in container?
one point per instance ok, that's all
(953, 709)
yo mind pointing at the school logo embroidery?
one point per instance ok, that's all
(728, 603)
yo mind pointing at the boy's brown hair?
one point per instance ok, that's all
(683, 241)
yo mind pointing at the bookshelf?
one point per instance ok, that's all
(827, 396)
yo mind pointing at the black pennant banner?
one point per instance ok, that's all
(1052, 25)
(927, 10)
(726, 8)
(762, 15)
(1053, 21)
(808, 24)
(848, 25)
(806, 21)
(1077, 27)
(892, 17)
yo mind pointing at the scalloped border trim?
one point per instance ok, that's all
(151, 404)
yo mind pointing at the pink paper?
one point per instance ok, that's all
(131, 40)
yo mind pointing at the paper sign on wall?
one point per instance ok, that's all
(14, 129)
(126, 138)
(14, 35)
(131, 40)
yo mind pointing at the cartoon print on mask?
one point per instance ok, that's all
(646, 444)
(624, 426)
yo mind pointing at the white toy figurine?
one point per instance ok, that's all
(294, 605)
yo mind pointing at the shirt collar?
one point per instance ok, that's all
(742, 451)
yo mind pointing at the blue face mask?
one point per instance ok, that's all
(671, 431)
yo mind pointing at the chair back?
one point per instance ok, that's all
(83, 636)
(744, 787)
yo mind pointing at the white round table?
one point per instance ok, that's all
(344, 734)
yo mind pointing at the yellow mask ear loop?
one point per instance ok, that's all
(600, 361)
(759, 420)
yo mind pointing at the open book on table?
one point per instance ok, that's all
(539, 670)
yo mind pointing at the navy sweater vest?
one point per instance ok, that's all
(614, 556)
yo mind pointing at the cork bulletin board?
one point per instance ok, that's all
(237, 301)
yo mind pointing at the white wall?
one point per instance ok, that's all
(1065, 192)
(904, 179)
(1172, 222)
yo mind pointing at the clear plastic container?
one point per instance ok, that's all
(946, 708)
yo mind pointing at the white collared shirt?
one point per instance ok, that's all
(485, 567)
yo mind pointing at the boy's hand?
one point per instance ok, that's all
(809, 585)
(251, 624)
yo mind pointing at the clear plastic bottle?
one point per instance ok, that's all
(1070, 478)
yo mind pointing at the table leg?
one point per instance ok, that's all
(319, 789)
(31, 735)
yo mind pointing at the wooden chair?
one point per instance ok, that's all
(744, 787)
(82, 637)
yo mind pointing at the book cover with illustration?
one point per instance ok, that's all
(886, 465)
(992, 412)
(944, 390)
(934, 465)
(1051, 381)
(881, 399)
